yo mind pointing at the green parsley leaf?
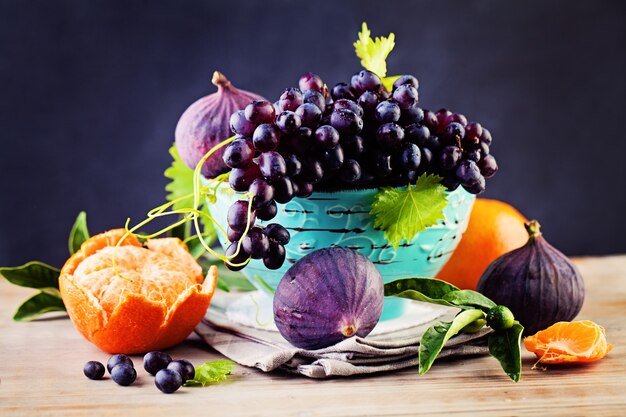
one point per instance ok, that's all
(404, 212)
(210, 373)
(373, 53)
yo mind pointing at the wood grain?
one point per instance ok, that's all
(41, 374)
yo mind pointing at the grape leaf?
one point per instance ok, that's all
(404, 212)
(373, 53)
(210, 373)
(182, 181)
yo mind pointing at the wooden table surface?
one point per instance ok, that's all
(41, 374)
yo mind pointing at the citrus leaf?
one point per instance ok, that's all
(469, 298)
(79, 232)
(504, 345)
(429, 290)
(34, 274)
(373, 52)
(404, 212)
(211, 372)
(37, 305)
(436, 336)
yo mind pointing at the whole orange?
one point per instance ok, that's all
(494, 229)
(133, 298)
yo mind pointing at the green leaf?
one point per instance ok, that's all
(429, 290)
(388, 82)
(211, 372)
(37, 305)
(469, 298)
(79, 232)
(228, 280)
(436, 336)
(404, 212)
(373, 52)
(34, 274)
(504, 345)
(182, 181)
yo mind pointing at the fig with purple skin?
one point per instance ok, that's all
(327, 296)
(207, 122)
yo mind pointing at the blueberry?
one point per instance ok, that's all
(168, 380)
(153, 362)
(123, 374)
(184, 368)
(118, 359)
(93, 370)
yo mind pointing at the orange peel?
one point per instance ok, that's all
(150, 298)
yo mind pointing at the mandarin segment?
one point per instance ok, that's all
(148, 298)
(569, 342)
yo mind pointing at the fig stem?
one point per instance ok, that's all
(533, 228)
(219, 80)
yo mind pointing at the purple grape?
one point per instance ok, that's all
(412, 115)
(311, 82)
(288, 122)
(310, 115)
(427, 157)
(238, 154)
(406, 80)
(467, 172)
(442, 118)
(367, 81)
(455, 132)
(368, 102)
(241, 178)
(298, 142)
(350, 171)
(265, 137)
(237, 216)
(410, 157)
(272, 165)
(268, 212)
(485, 137)
(417, 134)
(260, 111)
(344, 103)
(278, 109)
(478, 187)
(406, 96)
(261, 192)
(294, 166)
(275, 257)
(312, 171)
(387, 112)
(283, 190)
(353, 145)
(93, 370)
(390, 136)
(341, 90)
(277, 233)
(291, 99)
(232, 234)
(451, 183)
(332, 159)
(381, 164)
(326, 137)
(242, 256)
(168, 381)
(473, 131)
(473, 154)
(346, 122)
(431, 121)
(123, 374)
(240, 125)
(184, 368)
(256, 243)
(303, 189)
(316, 98)
(154, 361)
(488, 166)
(484, 149)
(456, 118)
(118, 359)
(449, 157)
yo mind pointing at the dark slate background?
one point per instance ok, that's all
(90, 93)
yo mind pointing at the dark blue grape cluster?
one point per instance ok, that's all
(355, 135)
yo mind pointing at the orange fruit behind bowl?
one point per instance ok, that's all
(494, 229)
(154, 303)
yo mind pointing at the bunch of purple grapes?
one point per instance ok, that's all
(356, 135)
